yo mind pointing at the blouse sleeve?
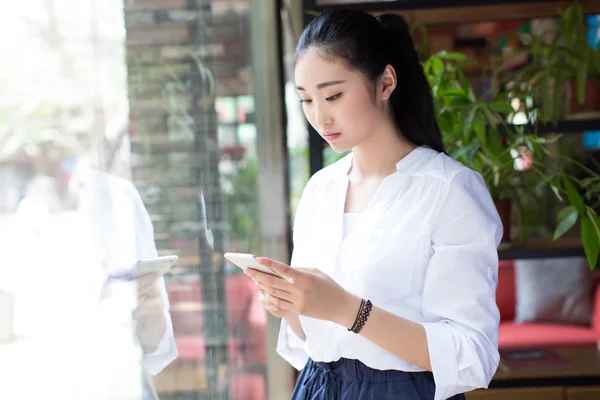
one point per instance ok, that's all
(166, 350)
(460, 285)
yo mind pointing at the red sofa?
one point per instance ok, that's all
(246, 320)
(534, 335)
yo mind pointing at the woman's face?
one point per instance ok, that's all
(337, 101)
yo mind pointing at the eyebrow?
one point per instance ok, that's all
(322, 85)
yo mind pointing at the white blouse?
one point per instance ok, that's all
(426, 250)
(351, 221)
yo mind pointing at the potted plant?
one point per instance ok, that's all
(563, 67)
(515, 163)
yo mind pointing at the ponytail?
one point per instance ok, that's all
(411, 102)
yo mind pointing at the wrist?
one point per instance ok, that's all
(347, 310)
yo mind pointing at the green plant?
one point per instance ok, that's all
(242, 207)
(469, 124)
(476, 129)
(476, 132)
(557, 55)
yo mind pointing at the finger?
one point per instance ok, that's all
(274, 309)
(149, 306)
(267, 302)
(270, 280)
(280, 303)
(147, 280)
(276, 312)
(280, 268)
(271, 291)
(261, 293)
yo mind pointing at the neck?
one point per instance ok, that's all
(377, 156)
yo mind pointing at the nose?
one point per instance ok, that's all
(322, 116)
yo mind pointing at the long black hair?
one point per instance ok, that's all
(368, 44)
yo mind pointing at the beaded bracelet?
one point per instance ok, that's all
(361, 317)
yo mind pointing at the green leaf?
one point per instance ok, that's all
(453, 93)
(595, 219)
(556, 190)
(465, 84)
(591, 241)
(544, 140)
(437, 66)
(468, 121)
(564, 212)
(464, 150)
(501, 106)
(489, 116)
(451, 56)
(479, 127)
(574, 197)
(445, 123)
(566, 223)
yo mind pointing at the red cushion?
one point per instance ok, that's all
(190, 347)
(247, 386)
(247, 319)
(239, 290)
(505, 293)
(188, 290)
(530, 335)
(186, 306)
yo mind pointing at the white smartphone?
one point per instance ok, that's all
(245, 261)
(156, 265)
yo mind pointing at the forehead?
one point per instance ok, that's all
(312, 68)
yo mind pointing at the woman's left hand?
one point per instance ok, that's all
(149, 314)
(307, 291)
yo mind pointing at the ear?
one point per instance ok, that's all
(387, 82)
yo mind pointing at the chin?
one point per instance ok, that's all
(340, 148)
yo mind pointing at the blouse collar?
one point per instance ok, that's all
(406, 165)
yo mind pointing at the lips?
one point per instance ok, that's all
(331, 135)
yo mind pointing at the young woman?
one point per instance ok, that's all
(391, 293)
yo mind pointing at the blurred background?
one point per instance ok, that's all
(192, 103)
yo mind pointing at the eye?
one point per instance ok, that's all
(334, 97)
(305, 101)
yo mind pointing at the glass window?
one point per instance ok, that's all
(127, 131)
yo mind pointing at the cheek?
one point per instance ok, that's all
(358, 113)
(309, 114)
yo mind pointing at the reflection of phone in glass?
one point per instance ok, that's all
(147, 266)
(245, 261)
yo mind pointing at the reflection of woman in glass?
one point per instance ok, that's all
(75, 221)
(395, 245)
